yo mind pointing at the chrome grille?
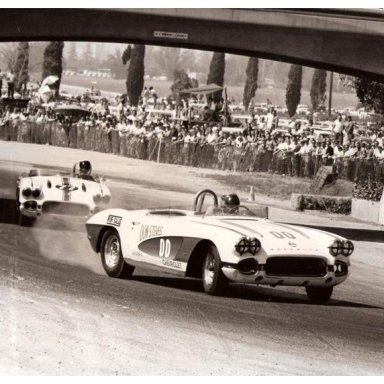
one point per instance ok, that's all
(296, 266)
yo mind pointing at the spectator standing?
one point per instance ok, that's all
(153, 94)
(1, 82)
(328, 153)
(262, 125)
(146, 96)
(296, 156)
(380, 164)
(338, 127)
(349, 131)
(269, 120)
(275, 120)
(360, 162)
(11, 84)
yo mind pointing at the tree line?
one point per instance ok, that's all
(370, 93)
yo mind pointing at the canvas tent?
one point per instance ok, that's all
(206, 90)
(203, 90)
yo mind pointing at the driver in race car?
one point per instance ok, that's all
(84, 171)
(229, 205)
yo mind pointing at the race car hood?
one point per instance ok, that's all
(65, 188)
(280, 238)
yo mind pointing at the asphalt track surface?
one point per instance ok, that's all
(60, 314)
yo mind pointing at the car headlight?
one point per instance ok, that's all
(246, 244)
(254, 245)
(27, 192)
(36, 192)
(30, 205)
(348, 248)
(106, 198)
(340, 247)
(97, 198)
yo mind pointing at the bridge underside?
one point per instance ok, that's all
(347, 49)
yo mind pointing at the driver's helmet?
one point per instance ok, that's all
(85, 168)
(230, 201)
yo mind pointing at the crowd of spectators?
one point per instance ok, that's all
(260, 142)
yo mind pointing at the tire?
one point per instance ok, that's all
(112, 257)
(17, 202)
(319, 295)
(214, 281)
(25, 221)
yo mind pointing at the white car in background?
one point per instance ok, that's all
(79, 194)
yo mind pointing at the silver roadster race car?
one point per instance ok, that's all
(79, 194)
(220, 244)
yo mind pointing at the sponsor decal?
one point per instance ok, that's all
(171, 35)
(282, 235)
(171, 263)
(114, 220)
(165, 248)
(67, 188)
(148, 231)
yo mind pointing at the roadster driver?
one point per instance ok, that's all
(229, 204)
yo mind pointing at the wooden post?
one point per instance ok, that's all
(226, 106)
(330, 95)
(158, 152)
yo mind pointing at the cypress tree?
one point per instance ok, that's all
(53, 61)
(293, 92)
(135, 75)
(370, 93)
(21, 65)
(250, 86)
(216, 73)
(318, 88)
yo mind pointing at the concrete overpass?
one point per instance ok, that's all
(348, 41)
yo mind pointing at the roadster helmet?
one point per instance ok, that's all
(85, 166)
(230, 200)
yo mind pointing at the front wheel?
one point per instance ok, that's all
(112, 257)
(214, 281)
(25, 221)
(319, 295)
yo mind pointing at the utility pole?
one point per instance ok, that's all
(330, 95)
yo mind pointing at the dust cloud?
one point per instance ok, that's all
(65, 240)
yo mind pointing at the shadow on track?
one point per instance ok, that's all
(8, 211)
(244, 292)
(8, 215)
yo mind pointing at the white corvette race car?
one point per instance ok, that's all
(219, 247)
(79, 194)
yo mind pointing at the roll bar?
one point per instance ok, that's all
(199, 199)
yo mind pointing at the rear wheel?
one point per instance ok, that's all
(112, 257)
(214, 281)
(319, 294)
